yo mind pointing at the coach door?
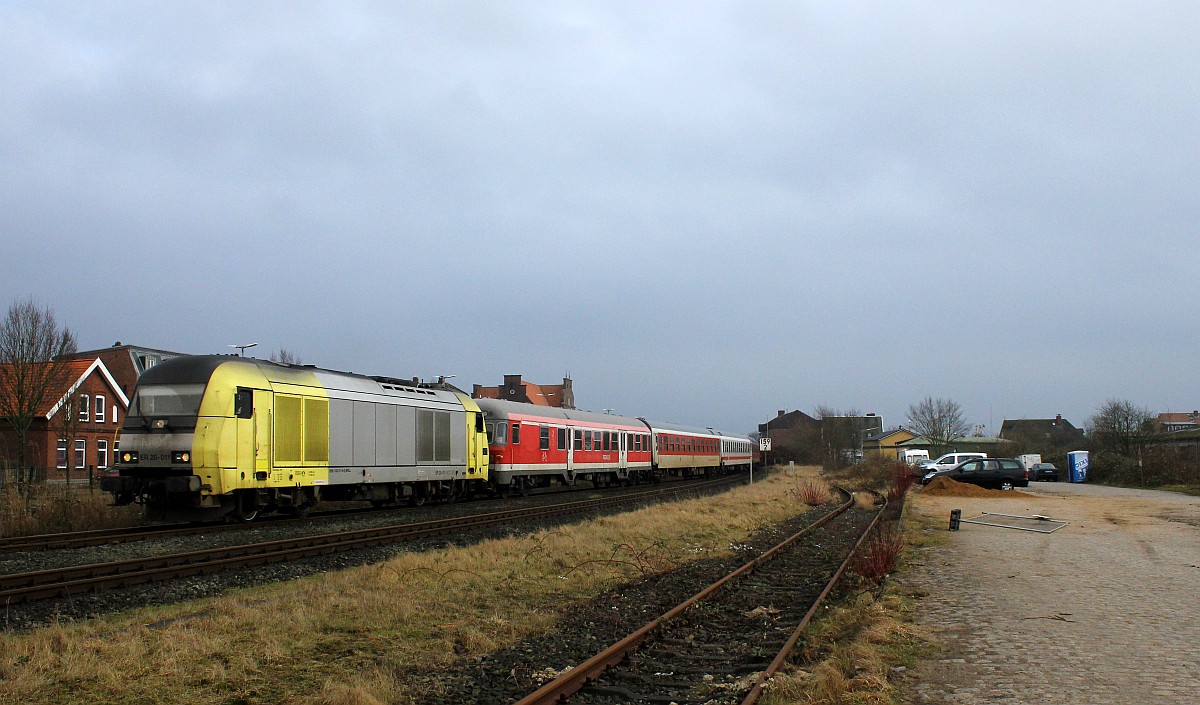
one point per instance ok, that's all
(571, 431)
(624, 450)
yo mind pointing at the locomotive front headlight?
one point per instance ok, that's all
(129, 457)
(181, 456)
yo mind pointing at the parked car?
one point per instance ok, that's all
(949, 460)
(1001, 473)
(1043, 471)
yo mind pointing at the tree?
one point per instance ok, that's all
(841, 435)
(32, 370)
(939, 420)
(1121, 426)
(286, 357)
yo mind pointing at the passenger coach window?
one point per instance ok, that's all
(562, 439)
(587, 440)
(578, 439)
(498, 433)
(544, 438)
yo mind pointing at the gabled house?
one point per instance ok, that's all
(100, 405)
(1172, 422)
(127, 362)
(794, 436)
(886, 443)
(1042, 434)
(514, 389)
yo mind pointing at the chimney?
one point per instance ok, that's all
(1057, 418)
(781, 413)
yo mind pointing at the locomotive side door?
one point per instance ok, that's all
(252, 411)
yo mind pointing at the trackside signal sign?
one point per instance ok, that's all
(764, 444)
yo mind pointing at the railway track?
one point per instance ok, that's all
(722, 644)
(102, 537)
(77, 580)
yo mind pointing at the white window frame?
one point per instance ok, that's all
(80, 453)
(61, 454)
(85, 407)
(101, 454)
(101, 403)
(115, 420)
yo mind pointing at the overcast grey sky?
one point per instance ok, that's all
(702, 211)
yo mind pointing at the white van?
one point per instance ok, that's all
(949, 460)
(912, 457)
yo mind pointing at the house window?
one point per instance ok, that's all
(101, 402)
(80, 453)
(114, 415)
(102, 454)
(62, 452)
(85, 407)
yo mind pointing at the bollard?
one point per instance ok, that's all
(955, 518)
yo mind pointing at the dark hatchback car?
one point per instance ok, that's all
(1043, 471)
(1001, 473)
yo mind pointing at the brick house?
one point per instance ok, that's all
(126, 362)
(1044, 435)
(514, 389)
(794, 436)
(101, 406)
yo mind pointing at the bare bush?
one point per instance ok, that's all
(879, 554)
(811, 491)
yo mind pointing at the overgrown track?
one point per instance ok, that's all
(76, 580)
(706, 648)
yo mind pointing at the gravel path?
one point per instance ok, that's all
(1103, 611)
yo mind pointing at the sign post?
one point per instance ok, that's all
(764, 445)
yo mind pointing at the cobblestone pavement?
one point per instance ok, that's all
(1105, 610)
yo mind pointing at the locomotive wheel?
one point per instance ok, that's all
(301, 510)
(247, 509)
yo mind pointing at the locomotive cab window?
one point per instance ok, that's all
(243, 403)
(516, 434)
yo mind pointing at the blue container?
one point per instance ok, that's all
(1077, 465)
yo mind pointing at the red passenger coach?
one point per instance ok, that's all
(684, 450)
(534, 446)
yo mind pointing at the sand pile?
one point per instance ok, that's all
(945, 487)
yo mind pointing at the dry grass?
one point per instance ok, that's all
(48, 509)
(296, 642)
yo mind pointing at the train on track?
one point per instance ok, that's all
(222, 436)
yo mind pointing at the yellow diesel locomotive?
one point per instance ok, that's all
(212, 436)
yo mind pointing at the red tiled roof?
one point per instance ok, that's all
(74, 372)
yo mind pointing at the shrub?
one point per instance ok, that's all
(879, 554)
(811, 491)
